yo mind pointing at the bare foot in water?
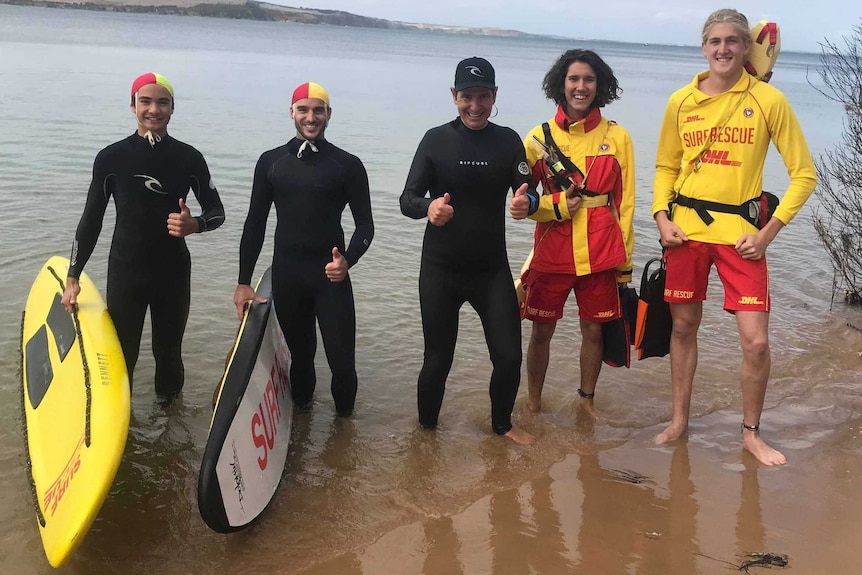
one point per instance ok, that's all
(585, 404)
(672, 432)
(752, 443)
(534, 405)
(520, 436)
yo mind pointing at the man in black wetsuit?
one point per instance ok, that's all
(467, 167)
(310, 181)
(149, 174)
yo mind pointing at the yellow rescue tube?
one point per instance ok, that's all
(519, 286)
(764, 49)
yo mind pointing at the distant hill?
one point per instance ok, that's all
(253, 10)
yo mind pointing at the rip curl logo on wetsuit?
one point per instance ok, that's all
(473, 163)
(475, 71)
(152, 184)
(523, 169)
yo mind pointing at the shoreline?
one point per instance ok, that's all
(266, 12)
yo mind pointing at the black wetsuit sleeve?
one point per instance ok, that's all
(414, 204)
(254, 230)
(90, 225)
(359, 199)
(519, 178)
(212, 214)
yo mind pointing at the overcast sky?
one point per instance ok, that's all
(803, 23)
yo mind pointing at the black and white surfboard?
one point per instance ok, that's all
(250, 430)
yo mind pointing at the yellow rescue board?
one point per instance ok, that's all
(76, 407)
(764, 49)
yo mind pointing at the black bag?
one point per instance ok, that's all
(618, 334)
(654, 324)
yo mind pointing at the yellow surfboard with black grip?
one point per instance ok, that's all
(75, 395)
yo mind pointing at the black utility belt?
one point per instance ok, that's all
(755, 211)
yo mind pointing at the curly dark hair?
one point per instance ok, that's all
(607, 87)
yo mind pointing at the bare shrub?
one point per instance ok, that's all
(838, 218)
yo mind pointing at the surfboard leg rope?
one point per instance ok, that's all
(83, 359)
(29, 465)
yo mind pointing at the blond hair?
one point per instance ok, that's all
(726, 16)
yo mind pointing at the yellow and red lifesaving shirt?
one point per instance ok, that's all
(731, 171)
(592, 239)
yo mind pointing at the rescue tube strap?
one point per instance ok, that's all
(566, 161)
(556, 200)
(569, 164)
(755, 211)
(590, 198)
(695, 164)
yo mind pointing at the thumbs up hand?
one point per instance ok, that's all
(440, 212)
(336, 270)
(182, 224)
(519, 206)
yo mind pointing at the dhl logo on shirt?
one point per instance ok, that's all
(718, 157)
(694, 118)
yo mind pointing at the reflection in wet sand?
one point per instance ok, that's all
(620, 512)
(680, 521)
(550, 550)
(511, 543)
(750, 533)
(629, 509)
(443, 547)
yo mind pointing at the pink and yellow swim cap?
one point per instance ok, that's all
(151, 78)
(309, 90)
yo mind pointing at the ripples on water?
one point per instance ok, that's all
(375, 494)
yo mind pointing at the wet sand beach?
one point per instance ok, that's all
(692, 507)
(588, 498)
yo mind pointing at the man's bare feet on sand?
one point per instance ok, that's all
(520, 436)
(672, 432)
(752, 443)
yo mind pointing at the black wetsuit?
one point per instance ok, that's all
(310, 193)
(465, 260)
(147, 266)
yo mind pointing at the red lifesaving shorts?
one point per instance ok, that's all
(597, 295)
(746, 282)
